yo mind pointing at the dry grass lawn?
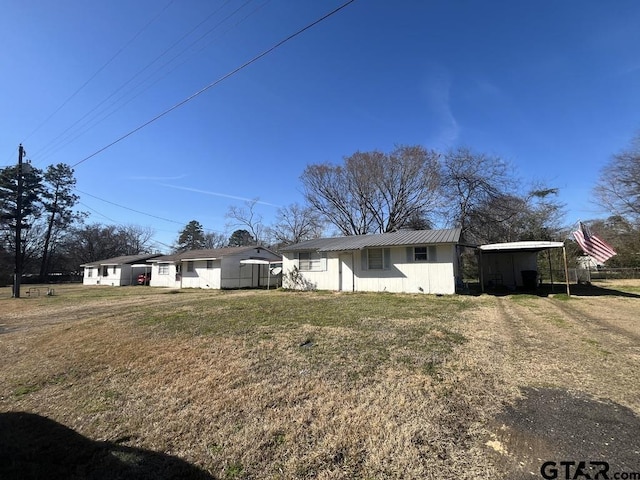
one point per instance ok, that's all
(270, 385)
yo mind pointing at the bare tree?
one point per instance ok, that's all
(374, 192)
(295, 223)
(472, 185)
(214, 240)
(248, 218)
(136, 239)
(618, 188)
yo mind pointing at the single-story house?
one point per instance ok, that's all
(410, 261)
(117, 271)
(514, 265)
(229, 267)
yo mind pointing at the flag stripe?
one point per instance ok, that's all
(594, 246)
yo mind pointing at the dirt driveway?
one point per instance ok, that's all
(577, 362)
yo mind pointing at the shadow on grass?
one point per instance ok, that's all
(545, 290)
(35, 447)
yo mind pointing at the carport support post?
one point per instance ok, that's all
(481, 273)
(566, 269)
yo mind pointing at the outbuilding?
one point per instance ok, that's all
(218, 268)
(116, 271)
(514, 265)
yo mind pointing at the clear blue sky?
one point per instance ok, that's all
(552, 87)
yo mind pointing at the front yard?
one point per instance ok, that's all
(272, 384)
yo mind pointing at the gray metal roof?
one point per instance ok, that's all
(122, 260)
(392, 239)
(206, 254)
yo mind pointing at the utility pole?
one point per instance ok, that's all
(18, 267)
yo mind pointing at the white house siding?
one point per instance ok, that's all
(164, 280)
(402, 276)
(113, 278)
(90, 276)
(201, 276)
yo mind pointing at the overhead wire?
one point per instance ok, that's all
(216, 82)
(105, 65)
(137, 211)
(70, 138)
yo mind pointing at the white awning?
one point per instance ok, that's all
(531, 246)
(259, 261)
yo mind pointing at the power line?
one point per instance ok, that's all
(63, 140)
(106, 64)
(216, 82)
(128, 208)
(136, 211)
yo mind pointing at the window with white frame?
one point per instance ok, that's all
(422, 254)
(105, 271)
(163, 269)
(310, 262)
(89, 272)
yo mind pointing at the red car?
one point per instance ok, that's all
(144, 278)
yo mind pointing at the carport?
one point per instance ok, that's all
(515, 264)
(263, 261)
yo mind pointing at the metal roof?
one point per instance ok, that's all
(206, 254)
(121, 260)
(530, 246)
(392, 239)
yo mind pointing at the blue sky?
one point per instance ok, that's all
(550, 86)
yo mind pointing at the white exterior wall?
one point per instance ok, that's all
(201, 277)
(90, 280)
(168, 280)
(402, 276)
(121, 275)
(227, 272)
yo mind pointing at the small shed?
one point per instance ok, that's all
(514, 264)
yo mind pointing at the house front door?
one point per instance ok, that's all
(345, 272)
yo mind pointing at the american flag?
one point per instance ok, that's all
(600, 250)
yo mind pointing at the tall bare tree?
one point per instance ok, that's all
(247, 218)
(474, 185)
(374, 192)
(295, 223)
(618, 188)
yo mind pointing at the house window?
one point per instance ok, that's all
(89, 272)
(105, 271)
(163, 269)
(114, 269)
(209, 264)
(189, 266)
(310, 262)
(376, 259)
(420, 254)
